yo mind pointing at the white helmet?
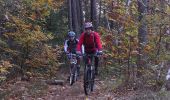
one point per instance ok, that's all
(71, 34)
(88, 25)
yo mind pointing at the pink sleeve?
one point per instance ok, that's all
(81, 40)
(99, 44)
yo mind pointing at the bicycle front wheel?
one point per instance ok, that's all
(87, 78)
(92, 77)
(72, 74)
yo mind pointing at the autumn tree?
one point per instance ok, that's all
(142, 33)
(75, 15)
(25, 34)
(94, 15)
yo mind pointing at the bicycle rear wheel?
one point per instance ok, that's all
(87, 86)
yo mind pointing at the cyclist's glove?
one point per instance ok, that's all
(99, 52)
(78, 52)
(67, 52)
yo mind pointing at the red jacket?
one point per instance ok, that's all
(91, 42)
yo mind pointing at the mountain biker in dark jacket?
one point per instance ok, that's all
(70, 46)
(91, 41)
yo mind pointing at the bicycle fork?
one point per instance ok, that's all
(92, 71)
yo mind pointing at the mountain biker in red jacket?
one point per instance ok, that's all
(91, 41)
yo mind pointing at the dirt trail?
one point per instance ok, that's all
(38, 89)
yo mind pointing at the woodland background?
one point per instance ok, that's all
(135, 36)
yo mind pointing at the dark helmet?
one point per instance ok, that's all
(71, 34)
(88, 25)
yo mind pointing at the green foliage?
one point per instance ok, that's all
(57, 23)
(122, 47)
(25, 38)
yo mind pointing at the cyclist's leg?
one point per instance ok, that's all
(78, 66)
(85, 60)
(96, 65)
(68, 77)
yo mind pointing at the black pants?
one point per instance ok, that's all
(96, 61)
(96, 64)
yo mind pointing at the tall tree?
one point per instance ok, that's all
(100, 10)
(81, 15)
(94, 17)
(142, 33)
(87, 9)
(70, 15)
(75, 15)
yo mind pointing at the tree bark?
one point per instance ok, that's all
(94, 17)
(142, 34)
(74, 16)
(70, 15)
(80, 16)
(100, 10)
(55, 82)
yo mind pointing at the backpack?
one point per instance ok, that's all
(72, 46)
(94, 39)
(74, 42)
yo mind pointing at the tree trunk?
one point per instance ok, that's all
(70, 15)
(100, 10)
(142, 34)
(78, 14)
(55, 82)
(167, 82)
(87, 10)
(94, 17)
(81, 17)
(107, 23)
(74, 17)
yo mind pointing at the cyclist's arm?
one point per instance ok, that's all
(65, 46)
(81, 40)
(82, 47)
(99, 44)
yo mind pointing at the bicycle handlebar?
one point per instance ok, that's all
(95, 54)
(71, 54)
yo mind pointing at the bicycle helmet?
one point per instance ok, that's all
(71, 34)
(88, 25)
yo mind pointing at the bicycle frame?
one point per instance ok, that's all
(73, 67)
(72, 58)
(89, 73)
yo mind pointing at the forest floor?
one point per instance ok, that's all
(38, 89)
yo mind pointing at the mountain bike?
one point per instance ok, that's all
(89, 73)
(73, 68)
